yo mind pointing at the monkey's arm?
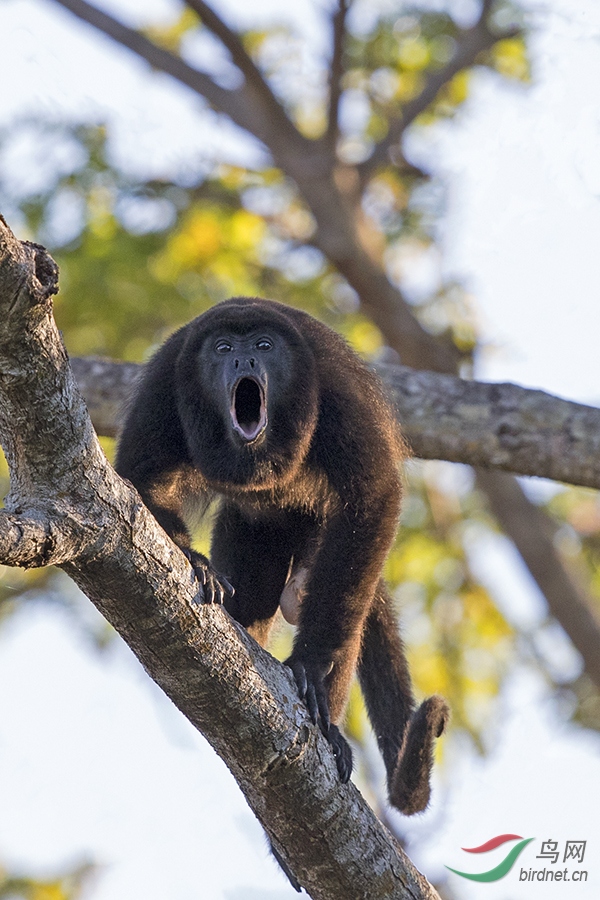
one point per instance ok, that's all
(152, 454)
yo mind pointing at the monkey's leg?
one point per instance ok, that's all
(255, 558)
(338, 684)
(405, 734)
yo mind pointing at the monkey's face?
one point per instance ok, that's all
(250, 376)
(245, 362)
(247, 394)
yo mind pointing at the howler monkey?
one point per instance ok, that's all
(268, 409)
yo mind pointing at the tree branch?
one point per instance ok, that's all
(336, 71)
(243, 701)
(566, 598)
(244, 62)
(470, 43)
(495, 426)
(245, 106)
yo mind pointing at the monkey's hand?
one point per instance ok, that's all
(310, 681)
(215, 587)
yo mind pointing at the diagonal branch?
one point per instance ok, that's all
(567, 601)
(470, 43)
(245, 106)
(244, 62)
(336, 71)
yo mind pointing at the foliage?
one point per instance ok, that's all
(64, 887)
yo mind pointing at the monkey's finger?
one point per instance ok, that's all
(312, 703)
(342, 752)
(209, 591)
(323, 705)
(226, 585)
(299, 673)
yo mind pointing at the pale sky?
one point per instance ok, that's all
(82, 736)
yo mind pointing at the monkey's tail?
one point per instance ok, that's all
(405, 734)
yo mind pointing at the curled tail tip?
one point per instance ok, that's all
(436, 712)
(409, 787)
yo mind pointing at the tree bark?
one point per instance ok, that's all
(67, 507)
(491, 426)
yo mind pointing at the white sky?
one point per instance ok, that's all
(79, 734)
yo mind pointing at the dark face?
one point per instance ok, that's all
(247, 394)
(244, 363)
(248, 372)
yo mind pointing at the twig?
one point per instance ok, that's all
(336, 71)
(470, 43)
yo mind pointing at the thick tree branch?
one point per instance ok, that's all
(66, 498)
(495, 426)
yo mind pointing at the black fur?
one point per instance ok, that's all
(268, 409)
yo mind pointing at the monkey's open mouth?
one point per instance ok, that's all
(248, 409)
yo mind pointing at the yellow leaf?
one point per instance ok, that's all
(510, 59)
(413, 54)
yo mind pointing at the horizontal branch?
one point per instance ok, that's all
(494, 426)
(497, 426)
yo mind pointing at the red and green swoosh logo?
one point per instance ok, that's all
(502, 868)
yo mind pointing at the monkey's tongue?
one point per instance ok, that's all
(248, 410)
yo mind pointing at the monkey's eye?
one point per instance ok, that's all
(223, 347)
(264, 344)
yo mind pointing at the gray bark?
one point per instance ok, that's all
(492, 426)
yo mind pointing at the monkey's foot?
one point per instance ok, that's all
(215, 587)
(310, 681)
(341, 751)
(409, 787)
